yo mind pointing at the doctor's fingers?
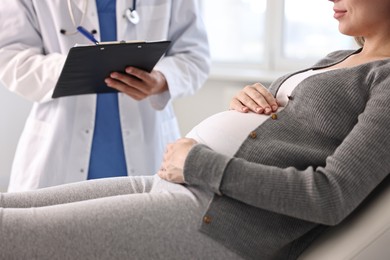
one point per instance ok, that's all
(129, 80)
(129, 91)
(153, 82)
(124, 88)
(138, 73)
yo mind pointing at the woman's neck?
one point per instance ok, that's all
(371, 51)
(376, 48)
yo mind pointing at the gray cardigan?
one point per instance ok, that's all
(304, 171)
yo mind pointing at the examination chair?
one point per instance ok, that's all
(364, 235)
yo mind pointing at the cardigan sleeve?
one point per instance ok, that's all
(321, 194)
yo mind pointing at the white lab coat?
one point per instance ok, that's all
(55, 145)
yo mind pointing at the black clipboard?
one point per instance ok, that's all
(86, 67)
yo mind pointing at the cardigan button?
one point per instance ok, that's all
(274, 116)
(207, 219)
(253, 135)
(290, 97)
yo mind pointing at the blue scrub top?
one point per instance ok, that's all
(107, 153)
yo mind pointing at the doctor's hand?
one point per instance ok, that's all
(255, 98)
(173, 163)
(137, 83)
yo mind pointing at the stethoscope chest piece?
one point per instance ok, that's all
(132, 16)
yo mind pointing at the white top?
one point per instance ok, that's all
(224, 132)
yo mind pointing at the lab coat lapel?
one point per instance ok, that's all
(78, 7)
(90, 18)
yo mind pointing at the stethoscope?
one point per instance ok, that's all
(130, 13)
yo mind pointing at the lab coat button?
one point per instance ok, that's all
(274, 116)
(87, 131)
(253, 135)
(207, 219)
(81, 170)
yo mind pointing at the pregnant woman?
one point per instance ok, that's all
(240, 185)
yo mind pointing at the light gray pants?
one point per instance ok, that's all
(115, 218)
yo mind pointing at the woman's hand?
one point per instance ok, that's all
(255, 98)
(137, 83)
(174, 158)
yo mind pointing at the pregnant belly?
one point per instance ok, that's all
(224, 132)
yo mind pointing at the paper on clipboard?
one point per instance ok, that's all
(86, 67)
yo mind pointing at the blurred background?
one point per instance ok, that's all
(250, 40)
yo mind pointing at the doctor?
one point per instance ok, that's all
(95, 136)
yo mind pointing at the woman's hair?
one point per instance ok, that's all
(360, 41)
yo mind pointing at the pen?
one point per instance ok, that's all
(87, 34)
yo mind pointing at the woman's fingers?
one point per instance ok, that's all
(267, 96)
(173, 160)
(235, 104)
(254, 98)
